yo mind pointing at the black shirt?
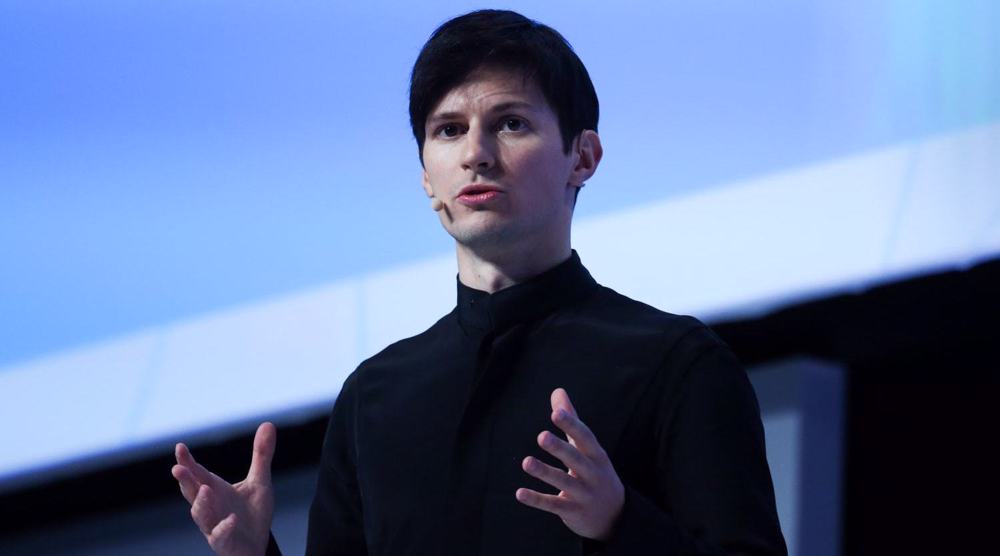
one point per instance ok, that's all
(424, 446)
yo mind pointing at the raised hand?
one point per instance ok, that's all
(235, 518)
(591, 495)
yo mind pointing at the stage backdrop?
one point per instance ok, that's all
(210, 212)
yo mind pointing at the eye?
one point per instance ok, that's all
(448, 130)
(513, 124)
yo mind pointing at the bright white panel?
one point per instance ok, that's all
(71, 404)
(406, 300)
(750, 241)
(262, 359)
(949, 210)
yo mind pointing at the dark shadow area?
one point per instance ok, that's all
(923, 404)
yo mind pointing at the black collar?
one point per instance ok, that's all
(479, 311)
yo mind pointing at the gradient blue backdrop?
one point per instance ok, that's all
(160, 160)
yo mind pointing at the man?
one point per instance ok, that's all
(443, 443)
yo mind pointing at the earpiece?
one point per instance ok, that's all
(436, 204)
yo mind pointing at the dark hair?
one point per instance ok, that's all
(508, 40)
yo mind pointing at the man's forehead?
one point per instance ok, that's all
(492, 89)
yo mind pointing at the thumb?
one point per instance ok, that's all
(264, 443)
(560, 400)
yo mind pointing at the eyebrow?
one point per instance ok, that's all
(502, 107)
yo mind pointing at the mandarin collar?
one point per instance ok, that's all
(479, 311)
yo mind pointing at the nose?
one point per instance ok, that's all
(479, 153)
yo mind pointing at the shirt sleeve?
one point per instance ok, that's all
(335, 518)
(713, 492)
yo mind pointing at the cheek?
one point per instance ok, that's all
(435, 175)
(545, 170)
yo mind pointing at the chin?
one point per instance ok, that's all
(483, 235)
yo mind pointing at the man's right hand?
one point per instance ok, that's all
(235, 518)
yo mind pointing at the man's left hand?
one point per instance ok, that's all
(591, 495)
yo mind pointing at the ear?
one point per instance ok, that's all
(588, 156)
(426, 182)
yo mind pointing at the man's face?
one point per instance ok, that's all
(493, 154)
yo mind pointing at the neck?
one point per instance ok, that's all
(496, 269)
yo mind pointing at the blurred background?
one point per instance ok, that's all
(210, 213)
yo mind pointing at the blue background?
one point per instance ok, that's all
(162, 160)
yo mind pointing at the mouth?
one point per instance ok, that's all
(478, 193)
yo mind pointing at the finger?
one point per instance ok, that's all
(555, 477)
(221, 536)
(202, 510)
(264, 443)
(569, 455)
(189, 486)
(202, 475)
(547, 502)
(560, 400)
(579, 434)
